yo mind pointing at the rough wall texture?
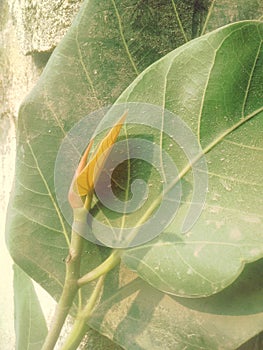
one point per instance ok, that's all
(40, 24)
(26, 27)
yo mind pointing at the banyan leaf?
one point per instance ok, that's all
(214, 84)
(101, 54)
(137, 316)
(95, 341)
(226, 11)
(89, 69)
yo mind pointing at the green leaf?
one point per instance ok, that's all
(226, 11)
(214, 84)
(97, 59)
(90, 67)
(30, 324)
(254, 343)
(95, 341)
(138, 316)
(88, 70)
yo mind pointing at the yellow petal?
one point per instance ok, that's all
(85, 180)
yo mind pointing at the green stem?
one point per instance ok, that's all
(80, 326)
(70, 287)
(73, 282)
(69, 291)
(102, 269)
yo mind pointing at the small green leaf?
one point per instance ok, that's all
(30, 324)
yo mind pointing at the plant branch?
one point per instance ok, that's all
(102, 269)
(80, 326)
(69, 291)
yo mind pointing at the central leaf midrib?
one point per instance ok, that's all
(237, 245)
(123, 219)
(123, 38)
(228, 131)
(197, 158)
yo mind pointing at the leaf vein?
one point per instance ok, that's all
(37, 222)
(233, 179)
(193, 269)
(31, 190)
(36, 263)
(50, 194)
(208, 16)
(123, 38)
(142, 262)
(249, 80)
(254, 148)
(179, 22)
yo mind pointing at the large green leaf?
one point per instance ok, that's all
(95, 341)
(227, 11)
(214, 84)
(138, 316)
(99, 57)
(94, 62)
(30, 324)
(92, 65)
